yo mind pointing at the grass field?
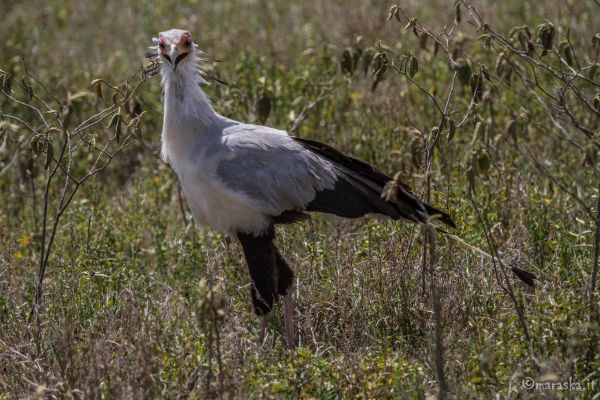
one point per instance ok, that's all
(138, 303)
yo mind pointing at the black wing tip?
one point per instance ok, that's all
(435, 214)
(447, 219)
(527, 277)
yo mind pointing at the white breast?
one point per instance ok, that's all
(191, 143)
(215, 205)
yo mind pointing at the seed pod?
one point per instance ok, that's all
(464, 71)
(597, 102)
(483, 163)
(451, 129)
(380, 64)
(486, 73)
(367, 57)
(263, 107)
(113, 120)
(512, 129)
(486, 38)
(436, 48)
(356, 54)
(38, 143)
(413, 66)
(546, 34)
(97, 85)
(393, 12)
(346, 64)
(593, 70)
(118, 129)
(476, 83)
(566, 51)
(423, 42)
(134, 108)
(6, 84)
(28, 89)
(49, 155)
(471, 178)
(591, 154)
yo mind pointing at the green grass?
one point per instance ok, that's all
(138, 303)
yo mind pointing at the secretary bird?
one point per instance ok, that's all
(243, 179)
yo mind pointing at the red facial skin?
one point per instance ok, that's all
(162, 43)
(185, 43)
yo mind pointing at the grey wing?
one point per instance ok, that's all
(272, 169)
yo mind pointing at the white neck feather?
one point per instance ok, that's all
(189, 119)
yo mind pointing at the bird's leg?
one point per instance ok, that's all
(262, 319)
(288, 319)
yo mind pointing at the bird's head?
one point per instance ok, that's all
(174, 49)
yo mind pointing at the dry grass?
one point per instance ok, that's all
(140, 304)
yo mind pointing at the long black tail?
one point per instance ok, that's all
(358, 191)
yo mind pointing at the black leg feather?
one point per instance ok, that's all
(270, 274)
(260, 256)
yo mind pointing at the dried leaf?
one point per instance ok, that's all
(97, 85)
(6, 84)
(423, 42)
(483, 164)
(346, 63)
(393, 12)
(451, 129)
(593, 70)
(413, 66)
(464, 71)
(597, 102)
(113, 120)
(566, 51)
(546, 33)
(476, 84)
(513, 129)
(49, 155)
(118, 129)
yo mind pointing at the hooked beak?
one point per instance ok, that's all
(175, 57)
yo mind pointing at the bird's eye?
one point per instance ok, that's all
(186, 40)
